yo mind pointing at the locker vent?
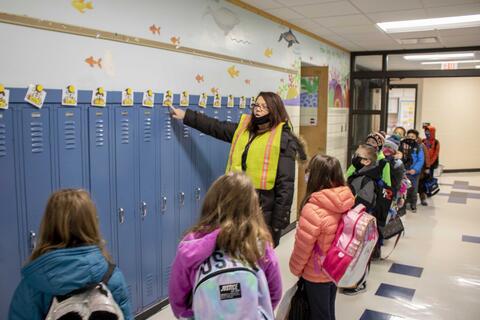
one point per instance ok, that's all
(3, 147)
(36, 133)
(186, 131)
(147, 130)
(69, 134)
(125, 131)
(168, 129)
(149, 285)
(166, 275)
(99, 133)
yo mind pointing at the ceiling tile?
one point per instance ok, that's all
(423, 46)
(457, 41)
(443, 3)
(357, 29)
(368, 37)
(344, 21)
(326, 9)
(264, 4)
(285, 13)
(453, 10)
(369, 6)
(420, 34)
(459, 32)
(292, 3)
(305, 23)
(398, 15)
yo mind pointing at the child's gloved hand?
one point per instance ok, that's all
(400, 203)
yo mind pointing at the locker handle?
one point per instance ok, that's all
(144, 209)
(198, 193)
(164, 204)
(121, 215)
(182, 199)
(33, 240)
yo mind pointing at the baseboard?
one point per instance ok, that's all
(160, 305)
(290, 227)
(461, 170)
(152, 310)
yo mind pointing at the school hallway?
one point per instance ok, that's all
(434, 273)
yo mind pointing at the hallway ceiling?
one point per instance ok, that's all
(352, 23)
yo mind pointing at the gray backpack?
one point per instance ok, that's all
(94, 302)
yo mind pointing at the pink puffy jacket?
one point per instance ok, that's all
(318, 223)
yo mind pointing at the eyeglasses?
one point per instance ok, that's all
(258, 106)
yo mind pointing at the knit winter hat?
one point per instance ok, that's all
(392, 142)
(379, 139)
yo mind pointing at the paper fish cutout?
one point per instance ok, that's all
(199, 78)
(92, 62)
(82, 5)
(127, 97)
(225, 18)
(175, 41)
(233, 72)
(4, 97)
(99, 97)
(148, 98)
(214, 90)
(184, 99)
(154, 29)
(268, 52)
(247, 81)
(289, 37)
(35, 95)
(69, 96)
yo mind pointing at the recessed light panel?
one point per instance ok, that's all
(431, 24)
(438, 56)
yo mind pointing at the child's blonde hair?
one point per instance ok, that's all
(231, 204)
(70, 220)
(370, 152)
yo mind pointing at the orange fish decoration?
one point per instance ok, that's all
(247, 81)
(154, 29)
(199, 78)
(214, 90)
(175, 41)
(92, 62)
(82, 5)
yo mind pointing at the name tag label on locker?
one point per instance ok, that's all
(36, 114)
(147, 112)
(69, 114)
(125, 113)
(99, 114)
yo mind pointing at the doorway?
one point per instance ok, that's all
(402, 106)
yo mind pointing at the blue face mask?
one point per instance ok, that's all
(427, 134)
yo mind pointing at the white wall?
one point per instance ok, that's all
(452, 105)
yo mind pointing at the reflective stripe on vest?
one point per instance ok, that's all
(263, 154)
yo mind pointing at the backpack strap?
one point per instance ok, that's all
(394, 246)
(108, 274)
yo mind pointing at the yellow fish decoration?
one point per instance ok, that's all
(268, 52)
(233, 72)
(82, 5)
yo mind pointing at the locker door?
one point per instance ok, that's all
(70, 147)
(184, 170)
(147, 204)
(101, 166)
(37, 164)
(216, 147)
(169, 219)
(126, 191)
(10, 259)
(226, 114)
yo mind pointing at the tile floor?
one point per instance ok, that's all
(434, 273)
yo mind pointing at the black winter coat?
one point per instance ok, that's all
(276, 203)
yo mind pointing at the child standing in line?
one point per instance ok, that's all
(70, 255)
(231, 231)
(327, 199)
(413, 159)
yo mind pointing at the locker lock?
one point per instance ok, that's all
(143, 207)
(121, 215)
(164, 204)
(33, 240)
(198, 193)
(182, 198)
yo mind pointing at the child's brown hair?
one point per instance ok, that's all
(70, 220)
(231, 205)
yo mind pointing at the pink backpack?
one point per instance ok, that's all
(347, 259)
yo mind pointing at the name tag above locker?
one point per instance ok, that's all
(99, 114)
(36, 114)
(69, 114)
(125, 113)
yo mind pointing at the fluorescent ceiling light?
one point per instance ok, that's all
(477, 67)
(431, 24)
(459, 61)
(439, 56)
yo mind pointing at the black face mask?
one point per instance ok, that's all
(260, 120)
(357, 162)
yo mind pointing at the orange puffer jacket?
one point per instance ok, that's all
(318, 224)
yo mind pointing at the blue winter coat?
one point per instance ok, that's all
(60, 272)
(418, 158)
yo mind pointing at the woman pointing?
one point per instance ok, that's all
(265, 148)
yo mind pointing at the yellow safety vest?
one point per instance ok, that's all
(263, 154)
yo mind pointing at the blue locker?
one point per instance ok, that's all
(226, 114)
(184, 170)
(148, 163)
(71, 148)
(126, 119)
(169, 219)
(215, 146)
(102, 169)
(10, 257)
(38, 165)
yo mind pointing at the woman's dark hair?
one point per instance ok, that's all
(324, 172)
(415, 132)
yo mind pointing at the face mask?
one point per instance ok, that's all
(427, 134)
(260, 120)
(357, 162)
(307, 176)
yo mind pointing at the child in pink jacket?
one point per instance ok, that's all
(231, 221)
(327, 199)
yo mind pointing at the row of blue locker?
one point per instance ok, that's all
(146, 173)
